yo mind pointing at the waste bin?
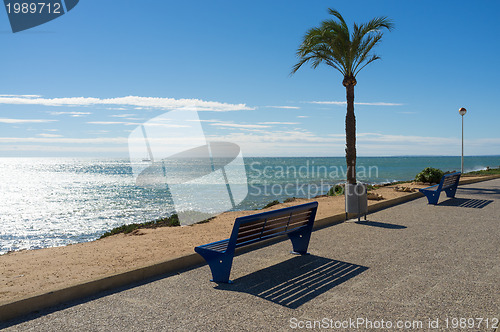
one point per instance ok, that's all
(356, 200)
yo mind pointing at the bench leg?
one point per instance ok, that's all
(432, 197)
(220, 265)
(300, 241)
(450, 192)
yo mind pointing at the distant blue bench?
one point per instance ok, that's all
(295, 221)
(449, 183)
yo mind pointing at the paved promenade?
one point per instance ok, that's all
(410, 265)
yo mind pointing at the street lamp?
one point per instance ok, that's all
(462, 112)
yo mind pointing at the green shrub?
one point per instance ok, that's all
(271, 204)
(336, 190)
(171, 221)
(370, 187)
(430, 175)
(125, 229)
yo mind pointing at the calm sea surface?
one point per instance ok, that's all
(54, 202)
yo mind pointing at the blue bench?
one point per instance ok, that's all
(449, 183)
(295, 221)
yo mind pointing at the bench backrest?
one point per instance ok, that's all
(259, 226)
(449, 180)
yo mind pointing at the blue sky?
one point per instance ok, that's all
(78, 85)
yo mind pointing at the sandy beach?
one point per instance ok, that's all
(30, 272)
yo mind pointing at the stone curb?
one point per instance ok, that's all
(44, 300)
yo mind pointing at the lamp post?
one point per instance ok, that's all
(462, 112)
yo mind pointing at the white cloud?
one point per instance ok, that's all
(116, 108)
(284, 107)
(355, 103)
(200, 120)
(166, 125)
(74, 114)
(246, 127)
(65, 140)
(237, 125)
(138, 102)
(283, 136)
(398, 139)
(49, 135)
(279, 123)
(302, 116)
(4, 120)
(96, 132)
(66, 150)
(23, 96)
(113, 123)
(122, 115)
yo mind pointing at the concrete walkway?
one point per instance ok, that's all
(410, 265)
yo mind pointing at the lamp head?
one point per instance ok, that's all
(462, 111)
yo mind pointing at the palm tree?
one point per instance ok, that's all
(348, 52)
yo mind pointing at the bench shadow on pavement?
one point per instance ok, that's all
(379, 224)
(295, 281)
(466, 203)
(491, 192)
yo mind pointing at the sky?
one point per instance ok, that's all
(79, 85)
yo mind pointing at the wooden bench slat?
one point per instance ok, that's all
(271, 214)
(249, 238)
(260, 223)
(218, 246)
(274, 230)
(297, 223)
(281, 223)
(300, 217)
(259, 228)
(449, 181)
(252, 223)
(278, 222)
(256, 226)
(267, 233)
(294, 226)
(272, 225)
(285, 228)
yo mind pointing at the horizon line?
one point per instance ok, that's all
(254, 156)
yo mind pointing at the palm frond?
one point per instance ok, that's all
(333, 44)
(364, 50)
(373, 58)
(335, 13)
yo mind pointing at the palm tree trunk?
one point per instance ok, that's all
(350, 135)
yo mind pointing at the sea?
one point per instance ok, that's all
(50, 202)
